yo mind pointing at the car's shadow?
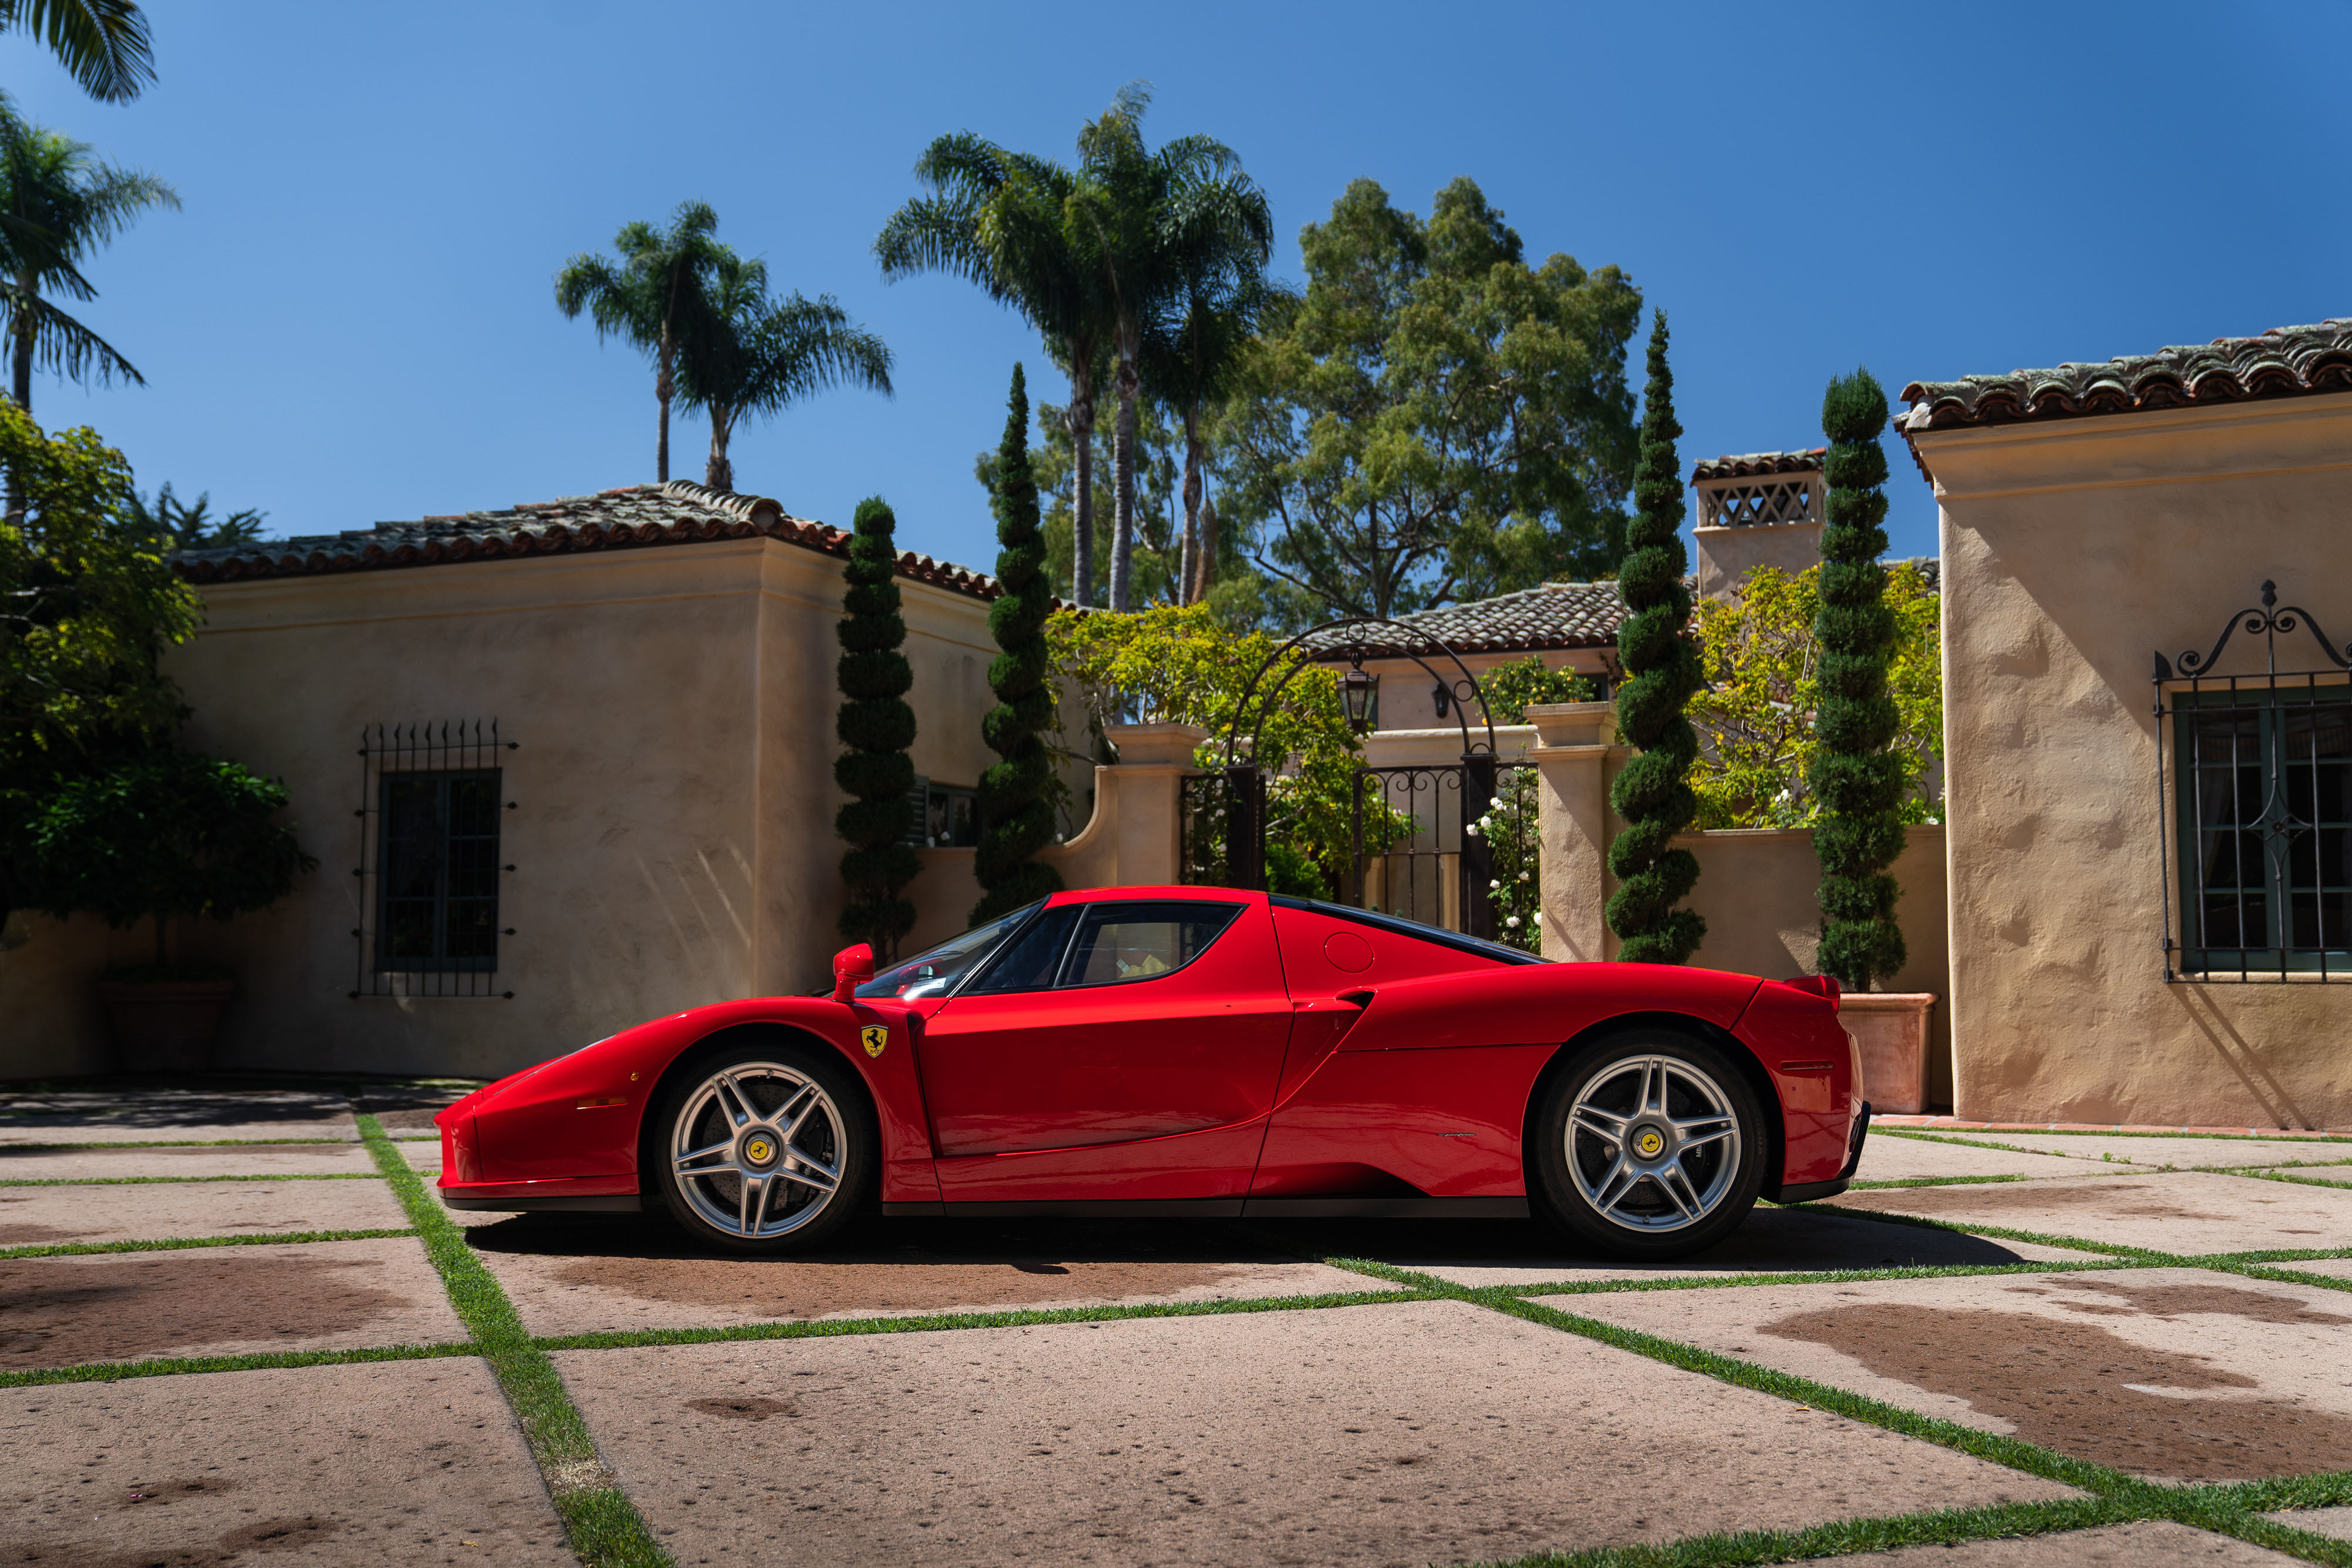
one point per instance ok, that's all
(1468, 1252)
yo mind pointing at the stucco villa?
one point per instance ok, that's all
(564, 767)
(2148, 731)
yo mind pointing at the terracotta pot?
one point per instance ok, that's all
(1891, 1028)
(164, 1026)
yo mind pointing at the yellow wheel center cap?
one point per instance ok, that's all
(759, 1150)
(1649, 1143)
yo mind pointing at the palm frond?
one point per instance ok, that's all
(61, 345)
(103, 43)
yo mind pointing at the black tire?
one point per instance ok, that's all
(1681, 1197)
(800, 1086)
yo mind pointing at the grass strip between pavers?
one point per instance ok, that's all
(1931, 1181)
(603, 1526)
(178, 1143)
(259, 1360)
(837, 1328)
(181, 1243)
(2116, 1498)
(141, 1181)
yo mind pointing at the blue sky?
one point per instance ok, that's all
(351, 319)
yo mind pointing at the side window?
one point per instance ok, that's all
(1121, 942)
(1029, 961)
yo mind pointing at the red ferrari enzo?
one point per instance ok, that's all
(1191, 1050)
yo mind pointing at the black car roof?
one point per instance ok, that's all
(1403, 927)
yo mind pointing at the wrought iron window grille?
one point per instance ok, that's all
(430, 876)
(2255, 792)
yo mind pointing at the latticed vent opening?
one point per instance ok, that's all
(432, 813)
(1781, 500)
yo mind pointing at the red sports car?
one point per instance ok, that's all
(1190, 1050)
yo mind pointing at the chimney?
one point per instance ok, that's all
(1760, 509)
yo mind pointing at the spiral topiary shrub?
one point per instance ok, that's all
(1857, 775)
(1016, 811)
(1662, 666)
(877, 726)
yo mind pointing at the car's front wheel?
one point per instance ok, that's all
(766, 1149)
(1649, 1145)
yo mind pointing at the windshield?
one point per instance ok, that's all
(941, 970)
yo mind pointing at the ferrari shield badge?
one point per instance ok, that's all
(874, 1037)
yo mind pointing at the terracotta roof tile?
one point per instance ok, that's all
(632, 517)
(2282, 362)
(1550, 615)
(1745, 464)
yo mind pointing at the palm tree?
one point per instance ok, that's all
(750, 354)
(1149, 220)
(1004, 220)
(59, 203)
(1192, 360)
(103, 43)
(175, 523)
(649, 296)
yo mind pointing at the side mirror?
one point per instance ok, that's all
(852, 967)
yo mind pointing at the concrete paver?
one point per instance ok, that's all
(598, 1274)
(2183, 1373)
(424, 1154)
(2185, 1212)
(33, 1216)
(2179, 1153)
(220, 1301)
(1886, 1157)
(177, 1160)
(2334, 1522)
(1772, 1241)
(404, 1463)
(2148, 1543)
(1387, 1434)
(18, 1130)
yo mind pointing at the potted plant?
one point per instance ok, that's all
(162, 834)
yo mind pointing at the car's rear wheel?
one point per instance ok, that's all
(1649, 1144)
(764, 1148)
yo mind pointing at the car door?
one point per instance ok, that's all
(1120, 1049)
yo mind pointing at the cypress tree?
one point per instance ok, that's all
(877, 728)
(1662, 665)
(1016, 813)
(1856, 776)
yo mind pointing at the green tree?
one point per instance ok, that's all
(103, 43)
(175, 523)
(1758, 720)
(749, 354)
(1856, 774)
(877, 726)
(1437, 419)
(1661, 668)
(86, 603)
(1178, 664)
(1509, 690)
(648, 297)
(58, 203)
(164, 834)
(1004, 220)
(1152, 223)
(1016, 806)
(1055, 461)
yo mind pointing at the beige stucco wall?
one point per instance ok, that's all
(672, 833)
(2073, 551)
(1727, 555)
(1408, 694)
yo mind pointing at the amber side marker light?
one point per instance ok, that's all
(600, 1104)
(1805, 1067)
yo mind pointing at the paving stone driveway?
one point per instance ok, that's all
(220, 1346)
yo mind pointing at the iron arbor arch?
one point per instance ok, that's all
(1245, 776)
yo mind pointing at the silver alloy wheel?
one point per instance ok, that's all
(758, 1149)
(1653, 1143)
